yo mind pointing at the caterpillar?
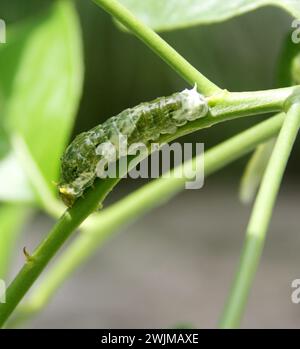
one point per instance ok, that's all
(143, 123)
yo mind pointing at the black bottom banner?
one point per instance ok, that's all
(134, 338)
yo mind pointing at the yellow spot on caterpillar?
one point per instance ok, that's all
(67, 197)
(63, 191)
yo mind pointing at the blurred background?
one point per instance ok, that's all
(175, 265)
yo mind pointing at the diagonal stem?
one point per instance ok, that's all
(99, 228)
(232, 106)
(159, 46)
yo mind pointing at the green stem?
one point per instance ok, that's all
(254, 171)
(34, 265)
(97, 229)
(224, 106)
(232, 105)
(260, 219)
(159, 46)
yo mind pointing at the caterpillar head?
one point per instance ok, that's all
(70, 191)
(66, 194)
(70, 172)
(77, 171)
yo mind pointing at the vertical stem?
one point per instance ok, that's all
(159, 46)
(260, 219)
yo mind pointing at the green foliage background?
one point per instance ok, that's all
(41, 70)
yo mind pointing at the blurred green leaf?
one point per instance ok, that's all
(174, 14)
(42, 193)
(42, 86)
(14, 185)
(11, 55)
(12, 217)
(4, 147)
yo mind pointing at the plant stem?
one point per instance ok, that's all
(254, 171)
(224, 106)
(34, 265)
(97, 229)
(232, 106)
(260, 219)
(159, 46)
(227, 106)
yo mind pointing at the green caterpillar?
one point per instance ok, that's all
(141, 124)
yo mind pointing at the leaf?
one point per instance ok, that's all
(43, 194)
(173, 14)
(11, 55)
(14, 185)
(41, 99)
